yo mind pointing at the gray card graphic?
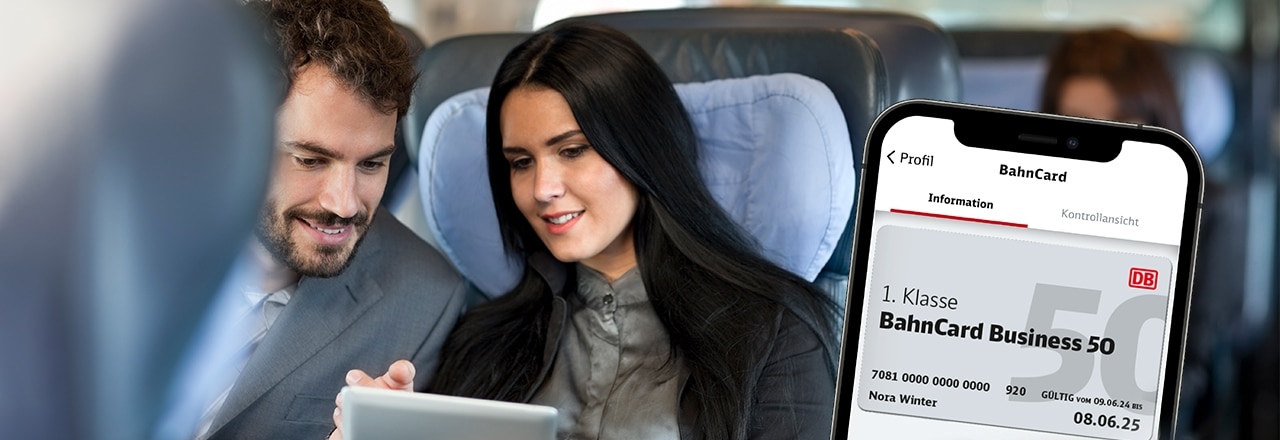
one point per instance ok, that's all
(1014, 333)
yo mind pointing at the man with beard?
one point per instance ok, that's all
(344, 285)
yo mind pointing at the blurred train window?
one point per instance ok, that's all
(550, 11)
(1212, 23)
(1205, 23)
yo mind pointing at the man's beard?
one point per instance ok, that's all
(275, 232)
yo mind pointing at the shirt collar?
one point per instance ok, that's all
(627, 289)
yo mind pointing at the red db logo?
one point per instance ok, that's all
(1143, 278)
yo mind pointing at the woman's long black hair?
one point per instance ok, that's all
(718, 298)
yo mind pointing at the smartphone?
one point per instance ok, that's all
(1017, 275)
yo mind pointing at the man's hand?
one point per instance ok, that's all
(399, 376)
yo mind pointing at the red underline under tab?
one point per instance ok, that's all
(956, 217)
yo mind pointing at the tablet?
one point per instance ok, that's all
(376, 414)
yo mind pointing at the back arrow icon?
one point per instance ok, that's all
(890, 157)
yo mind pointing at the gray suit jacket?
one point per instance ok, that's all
(398, 299)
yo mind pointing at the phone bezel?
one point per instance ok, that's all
(999, 124)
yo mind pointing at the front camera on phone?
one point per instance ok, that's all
(1072, 143)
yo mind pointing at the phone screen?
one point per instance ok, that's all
(1013, 295)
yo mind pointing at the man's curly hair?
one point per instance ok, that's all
(354, 39)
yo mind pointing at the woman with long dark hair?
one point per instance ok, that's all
(644, 311)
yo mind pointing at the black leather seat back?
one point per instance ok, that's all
(405, 133)
(919, 57)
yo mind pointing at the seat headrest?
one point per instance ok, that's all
(920, 57)
(774, 152)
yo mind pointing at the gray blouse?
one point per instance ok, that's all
(614, 376)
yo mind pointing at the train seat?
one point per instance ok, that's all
(765, 142)
(920, 58)
(404, 134)
(845, 61)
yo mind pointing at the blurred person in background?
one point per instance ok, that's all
(1113, 75)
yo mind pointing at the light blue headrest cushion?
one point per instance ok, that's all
(1208, 109)
(775, 154)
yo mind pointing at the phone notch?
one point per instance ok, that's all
(1065, 137)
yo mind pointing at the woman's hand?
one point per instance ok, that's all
(399, 376)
